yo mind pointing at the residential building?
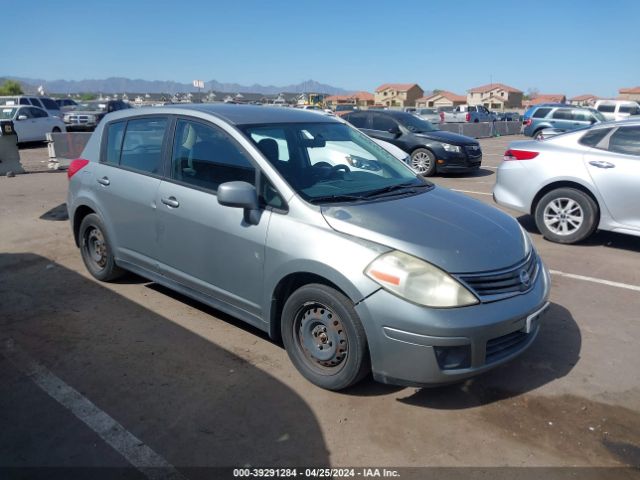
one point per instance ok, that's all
(361, 99)
(586, 100)
(398, 94)
(546, 98)
(442, 98)
(495, 96)
(630, 94)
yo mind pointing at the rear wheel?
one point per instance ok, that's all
(324, 337)
(566, 215)
(538, 135)
(56, 130)
(423, 162)
(97, 252)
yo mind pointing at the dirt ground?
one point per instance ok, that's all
(203, 389)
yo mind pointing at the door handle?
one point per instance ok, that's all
(601, 164)
(170, 202)
(104, 181)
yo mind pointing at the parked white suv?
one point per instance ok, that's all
(617, 109)
(45, 103)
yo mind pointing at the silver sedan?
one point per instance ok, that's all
(577, 182)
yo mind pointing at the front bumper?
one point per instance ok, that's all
(404, 338)
(466, 160)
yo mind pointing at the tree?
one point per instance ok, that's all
(88, 96)
(532, 92)
(11, 87)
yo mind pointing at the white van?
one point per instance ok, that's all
(617, 109)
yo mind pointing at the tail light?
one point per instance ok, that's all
(519, 155)
(527, 122)
(75, 166)
(468, 117)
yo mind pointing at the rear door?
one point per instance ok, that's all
(126, 184)
(614, 166)
(205, 246)
(562, 119)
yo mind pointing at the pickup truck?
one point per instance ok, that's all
(467, 114)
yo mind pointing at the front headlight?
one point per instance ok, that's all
(528, 244)
(418, 281)
(451, 148)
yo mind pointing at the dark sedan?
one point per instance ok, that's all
(431, 149)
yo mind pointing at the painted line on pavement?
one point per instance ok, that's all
(470, 191)
(141, 456)
(609, 283)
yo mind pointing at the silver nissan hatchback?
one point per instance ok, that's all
(302, 226)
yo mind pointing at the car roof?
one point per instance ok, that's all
(239, 114)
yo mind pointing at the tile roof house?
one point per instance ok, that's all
(361, 99)
(495, 96)
(586, 100)
(398, 94)
(632, 93)
(546, 98)
(441, 99)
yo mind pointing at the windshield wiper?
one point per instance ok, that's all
(401, 188)
(336, 198)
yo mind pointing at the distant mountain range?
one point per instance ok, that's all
(121, 85)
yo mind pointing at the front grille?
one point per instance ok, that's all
(473, 151)
(78, 118)
(501, 347)
(505, 283)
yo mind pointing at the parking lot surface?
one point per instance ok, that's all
(129, 373)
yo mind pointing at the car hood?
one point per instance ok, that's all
(448, 137)
(450, 230)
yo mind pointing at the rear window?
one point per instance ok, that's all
(541, 112)
(607, 108)
(593, 137)
(630, 109)
(142, 144)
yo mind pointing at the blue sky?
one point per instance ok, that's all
(569, 46)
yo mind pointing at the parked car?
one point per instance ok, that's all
(344, 108)
(563, 118)
(88, 114)
(467, 114)
(355, 271)
(507, 116)
(617, 109)
(576, 182)
(31, 123)
(431, 150)
(429, 114)
(44, 103)
(66, 104)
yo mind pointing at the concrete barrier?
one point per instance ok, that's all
(9, 153)
(482, 129)
(64, 147)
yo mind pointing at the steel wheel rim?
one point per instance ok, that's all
(96, 247)
(563, 216)
(421, 162)
(321, 337)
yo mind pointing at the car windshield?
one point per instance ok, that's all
(333, 162)
(415, 124)
(7, 113)
(92, 106)
(598, 115)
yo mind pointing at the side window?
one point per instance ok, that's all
(580, 116)
(37, 113)
(541, 112)
(607, 108)
(142, 144)
(562, 114)
(115, 133)
(358, 120)
(26, 111)
(24, 101)
(273, 144)
(383, 123)
(36, 102)
(49, 104)
(206, 156)
(593, 137)
(626, 140)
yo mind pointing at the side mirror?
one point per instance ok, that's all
(395, 130)
(241, 195)
(22, 117)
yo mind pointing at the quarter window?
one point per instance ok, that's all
(205, 156)
(626, 140)
(115, 133)
(142, 144)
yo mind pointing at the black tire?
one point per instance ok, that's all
(423, 161)
(96, 250)
(536, 133)
(566, 215)
(56, 130)
(324, 337)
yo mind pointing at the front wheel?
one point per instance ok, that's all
(56, 130)
(324, 337)
(423, 162)
(566, 215)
